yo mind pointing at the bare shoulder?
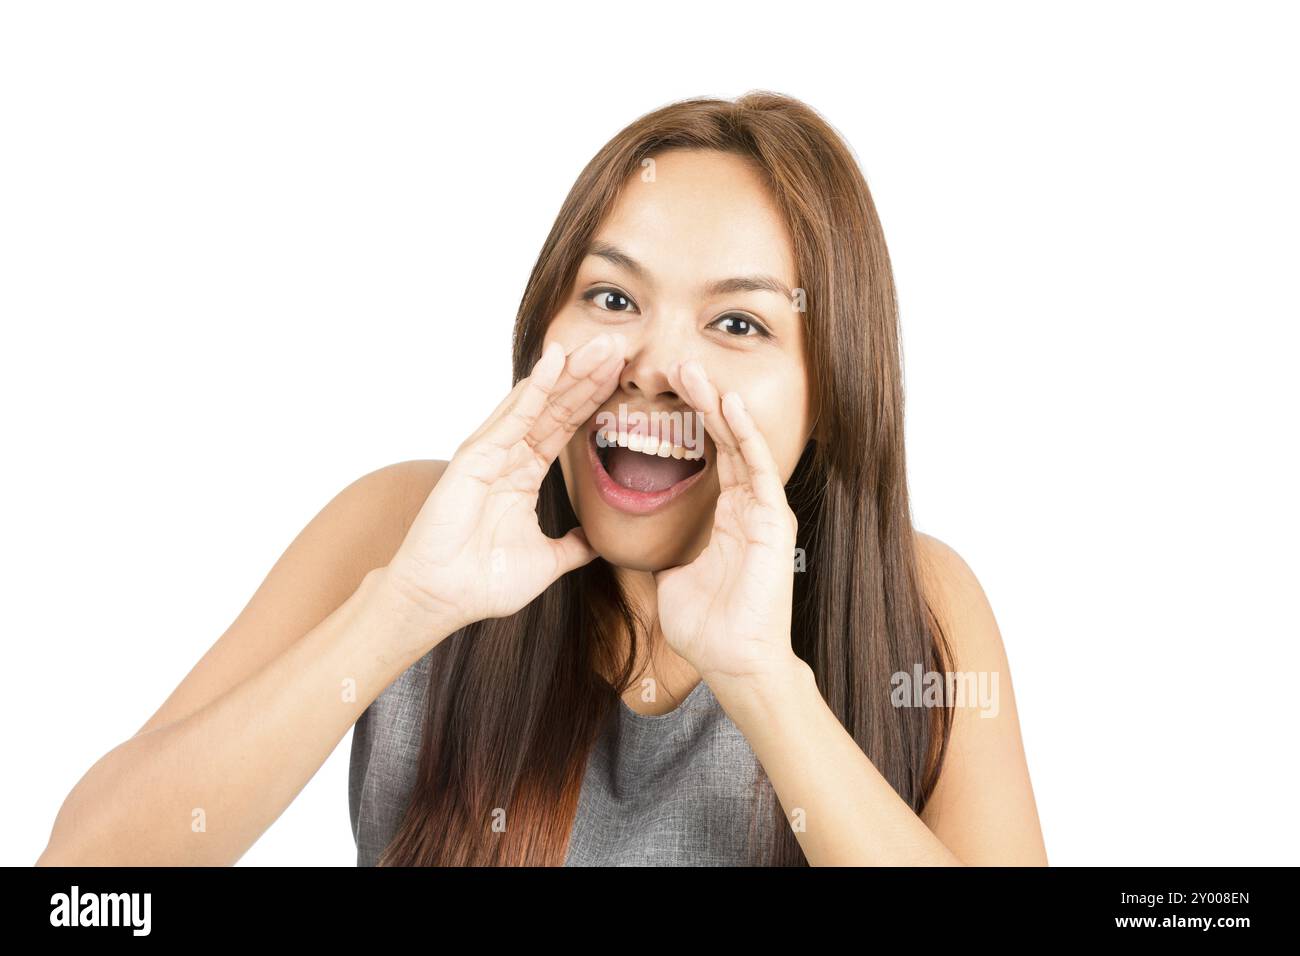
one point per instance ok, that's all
(364, 524)
(357, 531)
(945, 573)
(384, 503)
(957, 598)
(983, 806)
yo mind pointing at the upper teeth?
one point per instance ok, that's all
(646, 444)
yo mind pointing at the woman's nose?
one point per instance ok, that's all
(649, 360)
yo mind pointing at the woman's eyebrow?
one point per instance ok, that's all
(751, 283)
(613, 254)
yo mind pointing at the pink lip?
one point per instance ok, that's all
(628, 500)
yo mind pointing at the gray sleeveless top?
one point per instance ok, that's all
(674, 789)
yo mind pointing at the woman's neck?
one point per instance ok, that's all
(655, 659)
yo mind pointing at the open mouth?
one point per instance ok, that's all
(636, 480)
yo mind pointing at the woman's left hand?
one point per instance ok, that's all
(727, 613)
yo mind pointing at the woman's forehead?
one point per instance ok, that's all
(703, 216)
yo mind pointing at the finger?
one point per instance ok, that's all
(520, 419)
(701, 394)
(764, 477)
(571, 552)
(539, 371)
(550, 354)
(601, 384)
(698, 395)
(577, 394)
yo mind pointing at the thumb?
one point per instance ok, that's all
(571, 551)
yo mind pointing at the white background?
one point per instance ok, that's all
(251, 251)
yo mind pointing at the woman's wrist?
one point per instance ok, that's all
(406, 619)
(764, 677)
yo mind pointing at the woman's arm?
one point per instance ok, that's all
(843, 812)
(982, 812)
(983, 806)
(386, 571)
(253, 721)
(728, 614)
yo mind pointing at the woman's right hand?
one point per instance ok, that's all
(475, 549)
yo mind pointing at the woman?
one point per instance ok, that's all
(557, 648)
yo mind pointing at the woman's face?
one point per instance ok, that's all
(662, 272)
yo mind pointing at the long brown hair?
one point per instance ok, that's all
(515, 704)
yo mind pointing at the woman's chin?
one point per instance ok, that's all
(639, 554)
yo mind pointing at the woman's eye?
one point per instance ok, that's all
(609, 300)
(742, 326)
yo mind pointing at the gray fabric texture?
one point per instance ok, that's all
(675, 789)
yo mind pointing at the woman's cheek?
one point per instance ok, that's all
(572, 330)
(779, 415)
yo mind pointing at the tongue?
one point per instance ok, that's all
(641, 472)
